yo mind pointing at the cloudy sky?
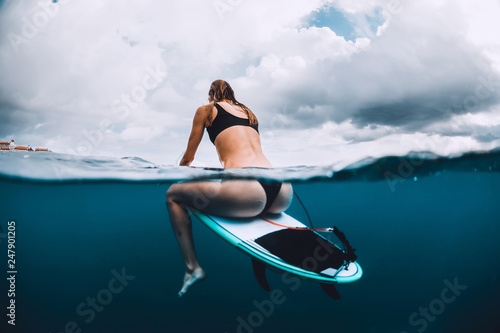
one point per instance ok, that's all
(331, 81)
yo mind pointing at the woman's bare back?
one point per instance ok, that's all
(237, 146)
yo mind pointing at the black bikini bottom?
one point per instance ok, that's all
(272, 190)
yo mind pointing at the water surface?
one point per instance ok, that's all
(95, 251)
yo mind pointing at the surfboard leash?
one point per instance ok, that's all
(299, 228)
(349, 251)
(303, 207)
(308, 217)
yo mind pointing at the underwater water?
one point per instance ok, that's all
(94, 250)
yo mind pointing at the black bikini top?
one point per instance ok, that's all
(225, 120)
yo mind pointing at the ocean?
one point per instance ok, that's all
(92, 249)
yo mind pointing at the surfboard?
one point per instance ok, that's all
(283, 244)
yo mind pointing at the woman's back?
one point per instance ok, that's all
(236, 140)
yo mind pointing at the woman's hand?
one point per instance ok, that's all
(185, 161)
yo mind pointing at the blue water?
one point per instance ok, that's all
(426, 230)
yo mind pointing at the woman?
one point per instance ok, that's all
(233, 129)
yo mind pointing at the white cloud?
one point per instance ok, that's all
(85, 70)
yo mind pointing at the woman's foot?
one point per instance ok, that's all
(190, 279)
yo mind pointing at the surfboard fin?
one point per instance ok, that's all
(330, 290)
(259, 270)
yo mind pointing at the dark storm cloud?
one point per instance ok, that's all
(413, 114)
(413, 75)
(18, 121)
(487, 138)
(14, 119)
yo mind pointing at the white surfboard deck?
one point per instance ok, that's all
(242, 234)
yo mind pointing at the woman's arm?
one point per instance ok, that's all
(195, 137)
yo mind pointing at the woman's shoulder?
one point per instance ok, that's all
(204, 113)
(205, 108)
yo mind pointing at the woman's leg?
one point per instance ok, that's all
(181, 224)
(235, 198)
